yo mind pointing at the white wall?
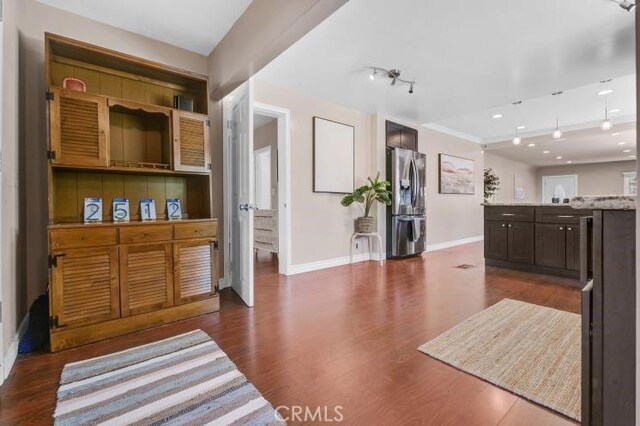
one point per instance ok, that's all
(24, 183)
(593, 179)
(513, 174)
(321, 227)
(450, 217)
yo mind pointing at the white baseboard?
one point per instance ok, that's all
(448, 244)
(10, 356)
(331, 263)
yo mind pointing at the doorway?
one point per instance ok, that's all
(265, 225)
(239, 187)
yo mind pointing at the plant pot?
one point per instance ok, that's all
(366, 225)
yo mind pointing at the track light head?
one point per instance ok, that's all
(393, 75)
(626, 5)
(411, 88)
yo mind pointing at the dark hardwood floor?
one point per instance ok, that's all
(346, 336)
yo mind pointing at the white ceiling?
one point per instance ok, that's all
(196, 25)
(575, 108)
(467, 56)
(579, 146)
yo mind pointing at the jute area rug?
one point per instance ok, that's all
(530, 350)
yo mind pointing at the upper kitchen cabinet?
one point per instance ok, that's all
(191, 142)
(79, 125)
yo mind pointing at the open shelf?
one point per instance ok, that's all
(70, 188)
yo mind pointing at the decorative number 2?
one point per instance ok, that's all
(173, 207)
(93, 208)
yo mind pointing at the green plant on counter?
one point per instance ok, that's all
(367, 195)
(491, 183)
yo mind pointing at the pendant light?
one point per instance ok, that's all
(517, 139)
(557, 132)
(606, 123)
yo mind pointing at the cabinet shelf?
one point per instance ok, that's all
(124, 169)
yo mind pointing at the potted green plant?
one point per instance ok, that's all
(491, 183)
(376, 190)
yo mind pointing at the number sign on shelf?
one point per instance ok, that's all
(147, 209)
(121, 210)
(92, 210)
(174, 209)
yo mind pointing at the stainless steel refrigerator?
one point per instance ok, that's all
(406, 217)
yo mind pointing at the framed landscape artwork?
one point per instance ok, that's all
(333, 156)
(456, 175)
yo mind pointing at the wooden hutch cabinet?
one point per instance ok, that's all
(123, 138)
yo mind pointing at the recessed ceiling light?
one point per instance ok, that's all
(496, 116)
(615, 134)
(531, 144)
(521, 127)
(605, 92)
(622, 143)
(632, 156)
(613, 111)
(626, 150)
(559, 157)
(569, 161)
(545, 152)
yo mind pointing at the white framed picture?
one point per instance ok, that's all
(174, 209)
(333, 156)
(92, 210)
(121, 210)
(630, 183)
(147, 209)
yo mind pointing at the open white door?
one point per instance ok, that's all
(238, 117)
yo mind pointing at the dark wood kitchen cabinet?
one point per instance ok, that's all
(521, 244)
(496, 240)
(509, 241)
(550, 245)
(609, 323)
(544, 239)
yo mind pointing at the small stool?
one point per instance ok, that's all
(369, 235)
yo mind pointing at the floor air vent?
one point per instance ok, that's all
(465, 266)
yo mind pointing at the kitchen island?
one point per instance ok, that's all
(536, 237)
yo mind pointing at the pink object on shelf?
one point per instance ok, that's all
(74, 84)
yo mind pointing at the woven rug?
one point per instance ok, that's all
(527, 349)
(183, 380)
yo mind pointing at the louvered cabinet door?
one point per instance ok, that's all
(146, 278)
(190, 142)
(84, 286)
(195, 270)
(79, 125)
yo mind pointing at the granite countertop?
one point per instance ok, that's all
(604, 202)
(591, 202)
(525, 204)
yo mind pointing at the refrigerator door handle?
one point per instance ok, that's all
(414, 183)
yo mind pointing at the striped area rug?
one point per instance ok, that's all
(183, 380)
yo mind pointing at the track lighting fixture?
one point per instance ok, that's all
(626, 5)
(393, 75)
